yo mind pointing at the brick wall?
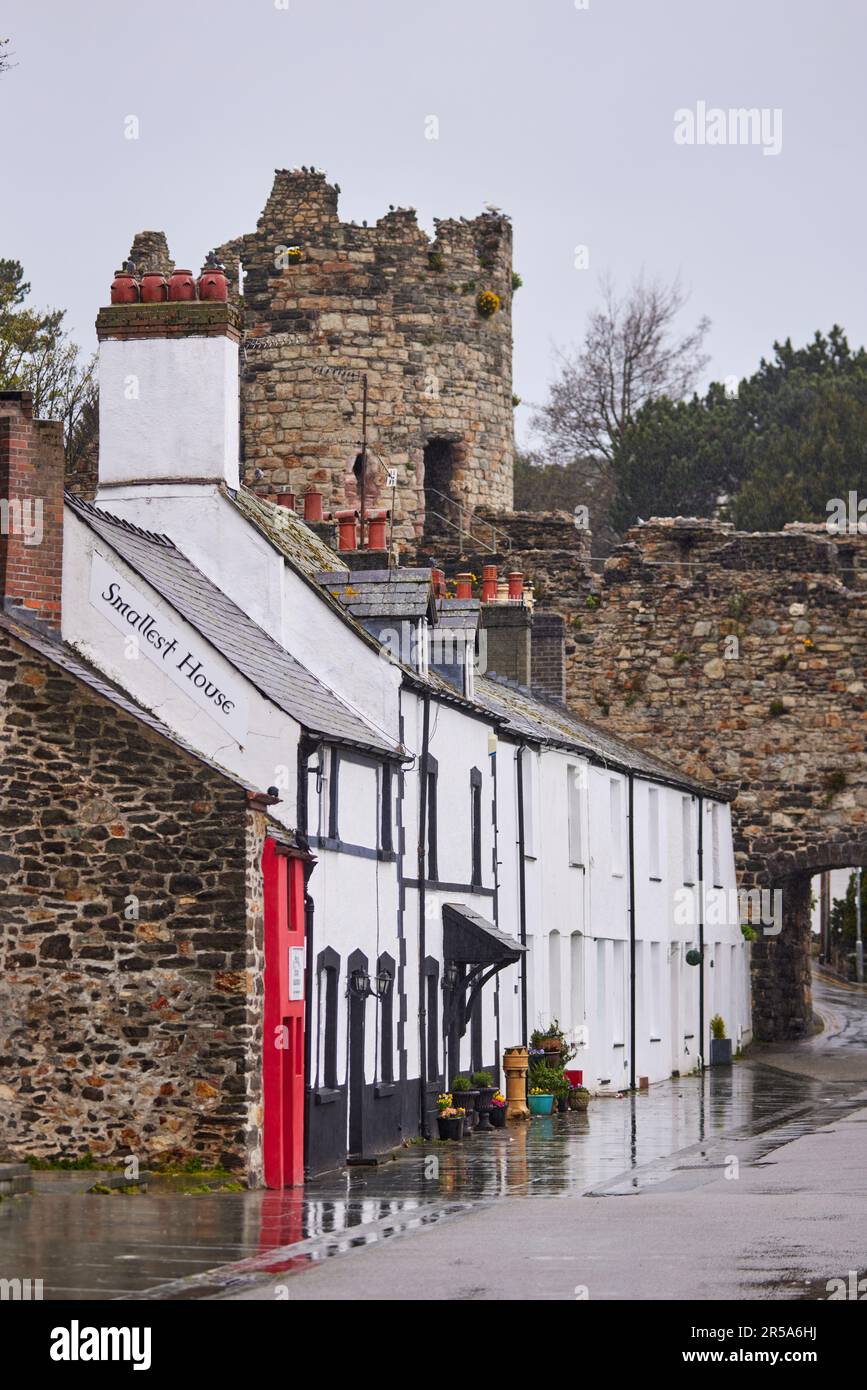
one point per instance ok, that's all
(31, 525)
(130, 993)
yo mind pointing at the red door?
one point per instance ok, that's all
(283, 1041)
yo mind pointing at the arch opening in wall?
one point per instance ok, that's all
(441, 503)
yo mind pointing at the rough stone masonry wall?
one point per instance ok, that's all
(122, 1036)
(389, 301)
(741, 658)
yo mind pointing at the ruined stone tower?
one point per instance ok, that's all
(418, 317)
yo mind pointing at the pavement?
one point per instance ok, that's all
(746, 1182)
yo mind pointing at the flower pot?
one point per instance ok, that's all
(451, 1126)
(562, 1104)
(498, 1116)
(550, 1044)
(483, 1106)
(540, 1105)
(579, 1100)
(720, 1052)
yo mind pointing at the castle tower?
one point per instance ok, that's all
(428, 323)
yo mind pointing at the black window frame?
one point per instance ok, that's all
(476, 827)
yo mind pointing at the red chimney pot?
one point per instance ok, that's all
(182, 286)
(286, 499)
(489, 584)
(464, 587)
(313, 506)
(438, 578)
(346, 530)
(516, 586)
(213, 285)
(124, 288)
(154, 289)
(376, 530)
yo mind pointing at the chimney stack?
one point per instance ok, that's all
(548, 666)
(168, 381)
(31, 512)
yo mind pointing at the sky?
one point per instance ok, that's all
(564, 113)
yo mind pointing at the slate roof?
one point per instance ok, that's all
(395, 593)
(275, 672)
(551, 724)
(459, 614)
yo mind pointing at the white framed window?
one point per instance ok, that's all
(716, 869)
(575, 776)
(654, 1002)
(653, 859)
(687, 839)
(615, 804)
(528, 774)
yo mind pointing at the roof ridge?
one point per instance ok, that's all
(80, 504)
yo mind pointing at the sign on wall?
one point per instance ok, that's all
(188, 662)
(296, 972)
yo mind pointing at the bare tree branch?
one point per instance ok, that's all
(630, 355)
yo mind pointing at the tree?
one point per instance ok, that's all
(631, 355)
(793, 437)
(37, 355)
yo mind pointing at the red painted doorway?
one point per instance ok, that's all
(283, 1037)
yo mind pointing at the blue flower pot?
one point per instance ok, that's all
(540, 1105)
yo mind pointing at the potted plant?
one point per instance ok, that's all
(720, 1045)
(451, 1123)
(463, 1091)
(483, 1082)
(561, 1094)
(579, 1098)
(498, 1110)
(553, 1040)
(541, 1102)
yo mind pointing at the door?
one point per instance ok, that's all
(357, 1020)
(283, 1035)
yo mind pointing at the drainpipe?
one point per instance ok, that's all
(492, 745)
(422, 871)
(632, 944)
(306, 746)
(701, 927)
(522, 892)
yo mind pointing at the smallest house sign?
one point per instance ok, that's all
(187, 662)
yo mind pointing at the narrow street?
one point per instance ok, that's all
(532, 1212)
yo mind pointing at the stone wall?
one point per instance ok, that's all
(388, 301)
(130, 994)
(741, 659)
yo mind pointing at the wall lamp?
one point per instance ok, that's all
(363, 986)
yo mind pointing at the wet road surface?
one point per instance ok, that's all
(672, 1144)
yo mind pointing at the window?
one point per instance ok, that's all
(432, 865)
(655, 982)
(687, 840)
(386, 841)
(653, 861)
(385, 966)
(615, 792)
(528, 770)
(432, 971)
(329, 972)
(555, 1005)
(476, 825)
(619, 993)
(575, 793)
(715, 846)
(576, 974)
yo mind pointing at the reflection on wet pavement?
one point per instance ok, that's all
(169, 1246)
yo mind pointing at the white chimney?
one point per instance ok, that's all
(168, 382)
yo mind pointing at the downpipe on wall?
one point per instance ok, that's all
(522, 889)
(632, 933)
(422, 871)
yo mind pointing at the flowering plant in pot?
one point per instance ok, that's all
(450, 1122)
(498, 1110)
(541, 1102)
(579, 1098)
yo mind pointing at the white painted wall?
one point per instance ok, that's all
(168, 408)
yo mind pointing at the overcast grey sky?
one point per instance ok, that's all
(563, 116)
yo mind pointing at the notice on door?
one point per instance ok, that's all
(190, 666)
(296, 972)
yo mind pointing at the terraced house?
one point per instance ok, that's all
(288, 839)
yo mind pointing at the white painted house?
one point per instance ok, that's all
(465, 832)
